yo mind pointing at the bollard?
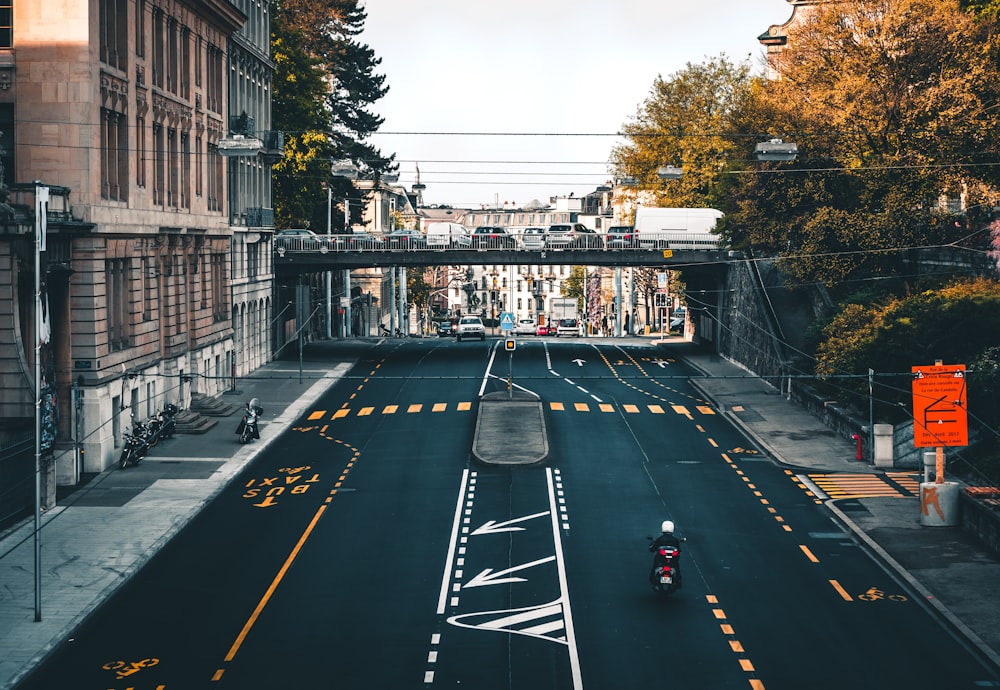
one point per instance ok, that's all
(939, 504)
(857, 439)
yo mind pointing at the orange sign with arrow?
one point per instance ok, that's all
(940, 415)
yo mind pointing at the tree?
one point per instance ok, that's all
(329, 118)
(892, 104)
(686, 121)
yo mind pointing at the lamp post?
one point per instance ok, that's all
(349, 171)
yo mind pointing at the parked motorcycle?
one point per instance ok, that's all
(136, 445)
(248, 428)
(384, 332)
(664, 575)
(168, 419)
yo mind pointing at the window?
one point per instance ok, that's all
(185, 184)
(159, 150)
(7, 142)
(220, 304)
(119, 330)
(185, 66)
(148, 282)
(172, 171)
(141, 156)
(114, 155)
(113, 36)
(215, 178)
(158, 47)
(6, 23)
(140, 28)
(199, 161)
(172, 57)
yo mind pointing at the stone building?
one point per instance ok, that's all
(158, 269)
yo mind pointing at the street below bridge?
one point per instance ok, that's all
(366, 545)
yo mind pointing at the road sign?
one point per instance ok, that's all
(940, 406)
(509, 344)
(506, 321)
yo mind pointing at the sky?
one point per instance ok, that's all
(507, 102)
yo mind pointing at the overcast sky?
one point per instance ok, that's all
(523, 97)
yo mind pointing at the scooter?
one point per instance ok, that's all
(247, 428)
(665, 576)
(168, 420)
(136, 445)
(384, 332)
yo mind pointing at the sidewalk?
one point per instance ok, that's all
(952, 571)
(102, 533)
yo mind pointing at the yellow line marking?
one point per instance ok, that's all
(390, 409)
(714, 444)
(414, 408)
(808, 553)
(439, 407)
(218, 674)
(705, 409)
(463, 406)
(274, 585)
(736, 646)
(719, 614)
(365, 411)
(655, 409)
(841, 591)
(727, 629)
(556, 406)
(746, 665)
(341, 413)
(711, 599)
(581, 407)
(605, 407)
(318, 414)
(631, 409)
(680, 409)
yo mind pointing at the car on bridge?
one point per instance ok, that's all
(620, 237)
(356, 241)
(492, 237)
(572, 236)
(533, 238)
(302, 239)
(406, 239)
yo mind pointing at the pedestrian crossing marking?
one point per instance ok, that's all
(705, 409)
(895, 484)
(901, 478)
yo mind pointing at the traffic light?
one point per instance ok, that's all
(509, 344)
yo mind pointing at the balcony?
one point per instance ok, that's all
(258, 217)
(274, 146)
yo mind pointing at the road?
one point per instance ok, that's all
(367, 549)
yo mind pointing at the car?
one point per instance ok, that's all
(470, 327)
(445, 235)
(542, 329)
(492, 237)
(406, 239)
(567, 327)
(445, 328)
(620, 237)
(524, 327)
(533, 238)
(301, 239)
(572, 236)
(356, 241)
(677, 319)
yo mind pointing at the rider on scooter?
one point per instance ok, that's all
(667, 538)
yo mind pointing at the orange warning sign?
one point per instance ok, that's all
(939, 406)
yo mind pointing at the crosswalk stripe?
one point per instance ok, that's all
(365, 411)
(414, 408)
(439, 407)
(554, 405)
(318, 414)
(340, 413)
(606, 407)
(655, 409)
(581, 407)
(464, 406)
(390, 409)
(631, 409)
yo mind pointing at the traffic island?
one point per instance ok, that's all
(510, 429)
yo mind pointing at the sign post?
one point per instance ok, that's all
(940, 419)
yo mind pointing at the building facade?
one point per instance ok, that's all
(157, 272)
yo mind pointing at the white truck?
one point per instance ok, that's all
(676, 228)
(563, 319)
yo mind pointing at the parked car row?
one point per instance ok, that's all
(457, 236)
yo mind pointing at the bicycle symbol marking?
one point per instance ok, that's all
(124, 669)
(874, 594)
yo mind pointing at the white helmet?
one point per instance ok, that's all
(667, 527)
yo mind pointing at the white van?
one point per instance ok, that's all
(445, 235)
(676, 228)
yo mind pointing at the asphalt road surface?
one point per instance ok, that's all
(366, 549)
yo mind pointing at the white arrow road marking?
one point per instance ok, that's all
(660, 363)
(579, 362)
(492, 527)
(488, 577)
